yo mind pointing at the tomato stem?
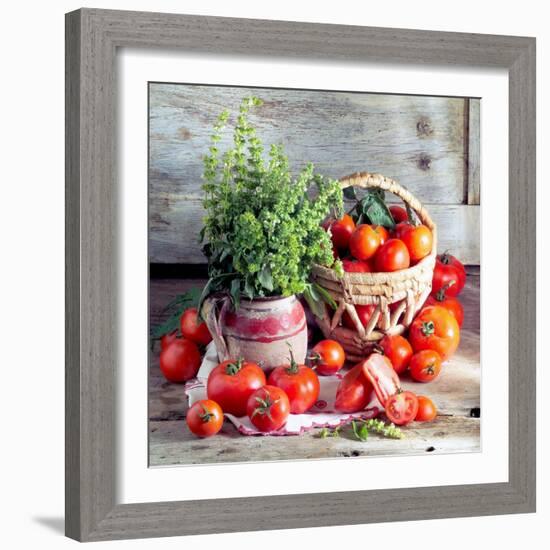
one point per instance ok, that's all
(205, 416)
(440, 294)
(233, 368)
(428, 328)
(293, 368)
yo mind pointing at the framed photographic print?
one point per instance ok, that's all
(283, 279)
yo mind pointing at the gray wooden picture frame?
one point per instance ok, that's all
(92, 39)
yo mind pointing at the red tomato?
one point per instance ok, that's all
(447, 269)
(180, 361)
(205, 418)
(418, 240)
(380, 373)
(341, 231)
(354, 391)
(393, 255)
(425, 365)
(363, 312)
(382, 232)
(399, 214)
(327, 357)
(398, 350)
(435, 328)
(268, 408)
(364, 242)
(449, 303)
(232, 382)
(426, 409)
(300, 383)
(401, 228)
(168, 338)
(192, 329)
(401, 408)
(356, 266)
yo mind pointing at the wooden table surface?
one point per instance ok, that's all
(456, 392)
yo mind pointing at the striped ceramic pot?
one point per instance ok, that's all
(260, 330)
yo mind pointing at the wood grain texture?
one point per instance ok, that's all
(455, 392)
(94, 36)
(420, 141)
(474, 151)
(175, 238)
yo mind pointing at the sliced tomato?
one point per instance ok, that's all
(381, 374)
(402, 407)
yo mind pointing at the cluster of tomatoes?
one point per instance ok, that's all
(372, 248)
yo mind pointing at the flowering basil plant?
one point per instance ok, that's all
(262, 231)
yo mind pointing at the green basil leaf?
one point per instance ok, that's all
(324, 295)
(266, 278)
(377, 212)
(235, 292)
(314, 301)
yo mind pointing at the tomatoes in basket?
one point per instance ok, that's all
(399, 214)
(231, 383)
(205, 418)
(450, 303)
(393, 255)
(435, 328)
(268, 408)
(426, 409)
(447, 269)
(363, 312)
(425, 365)
(180, 360)
(354, 391)
(418, 240)
(341, 231)
(402, 407)
(364, 242)
(300, 383)
(327, 357)
(192, 328)
(356, 266)
(398, 350)
(382, 232)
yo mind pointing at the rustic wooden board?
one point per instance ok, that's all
(456, 393)
(174, 236)
(420, 141)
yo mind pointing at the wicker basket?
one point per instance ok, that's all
(407, 289)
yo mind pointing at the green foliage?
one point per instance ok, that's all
(360, 430)
(262, 230)
(371, 208)
(174, 309)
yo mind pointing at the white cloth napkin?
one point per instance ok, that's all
(321, 415)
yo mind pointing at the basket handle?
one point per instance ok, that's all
(366, 180)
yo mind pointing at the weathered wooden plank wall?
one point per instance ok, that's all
(429, 144)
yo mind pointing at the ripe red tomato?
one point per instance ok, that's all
(402, 407)
(327, 357)
(426, 409)
(300, 383)
(168, 338)
(341, 231)
(400, 229)
(380, 373)
(363, 312)
(435, 328)
(398, 350)
(418, 240)
(399, 214)
(268, 408)
(232, 382)
(364, 242)
(180, 361)
(448, 302)
(354, 391)
(447, 269)
(192, 329)
(356, 266)
(205, 418)
(393, 255)
(382, 232)
(425, 365)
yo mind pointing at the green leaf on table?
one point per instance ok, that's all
(176, 307)
(360, 430)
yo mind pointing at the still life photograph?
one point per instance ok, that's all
(314, 274)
